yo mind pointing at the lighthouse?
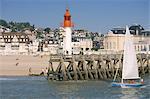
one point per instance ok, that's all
(67, 37)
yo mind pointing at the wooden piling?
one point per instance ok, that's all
(93, 67)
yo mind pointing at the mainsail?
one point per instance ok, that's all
(130, 67)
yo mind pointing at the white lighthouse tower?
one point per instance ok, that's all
(67, 37)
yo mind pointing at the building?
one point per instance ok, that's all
(80, 33)
(4, 29)
(81, 44)
(13, 43)
(114, 40)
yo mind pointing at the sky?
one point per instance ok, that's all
(92, 15)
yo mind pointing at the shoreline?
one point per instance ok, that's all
(23, 65)
(22, 75)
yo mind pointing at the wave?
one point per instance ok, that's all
(8, 79)
(22, 78)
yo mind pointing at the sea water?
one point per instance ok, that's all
(39, 88)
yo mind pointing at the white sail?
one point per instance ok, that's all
(130, 67)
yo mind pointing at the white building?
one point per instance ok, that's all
(17, 43)
(115, 42)
(13, 43)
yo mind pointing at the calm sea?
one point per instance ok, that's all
(39, 88)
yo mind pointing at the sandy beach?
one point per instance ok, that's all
(19, 65)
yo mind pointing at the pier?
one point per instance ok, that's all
(92, 67)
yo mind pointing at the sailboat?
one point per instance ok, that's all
(130, 74)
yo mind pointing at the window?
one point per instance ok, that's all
(138, 48)
(87, 49)
(114, 45)
(8, 40)
(107, 45)
(135, 47)
(145, 49)
(141, 47)
(2, 47)
(67, 18)
(110, 45)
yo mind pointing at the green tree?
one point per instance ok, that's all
(32, 28)
(47, 29)
(3, 23)
(39, 35)
(95, 49)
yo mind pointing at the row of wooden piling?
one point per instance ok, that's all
(92, 67)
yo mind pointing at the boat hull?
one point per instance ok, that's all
(126, 85)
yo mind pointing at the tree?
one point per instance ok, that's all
(47, 29)
(32, 28)
(11, 23)
(95, 49)
(3, 23)
(39, 35)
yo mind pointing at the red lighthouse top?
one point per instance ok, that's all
(67, 19)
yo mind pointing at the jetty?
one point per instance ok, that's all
(92, 67)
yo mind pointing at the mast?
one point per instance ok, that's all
(117, 69)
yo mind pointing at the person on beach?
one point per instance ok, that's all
(42, 73)
(30, 71)
(17, 64)
(46, 70)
